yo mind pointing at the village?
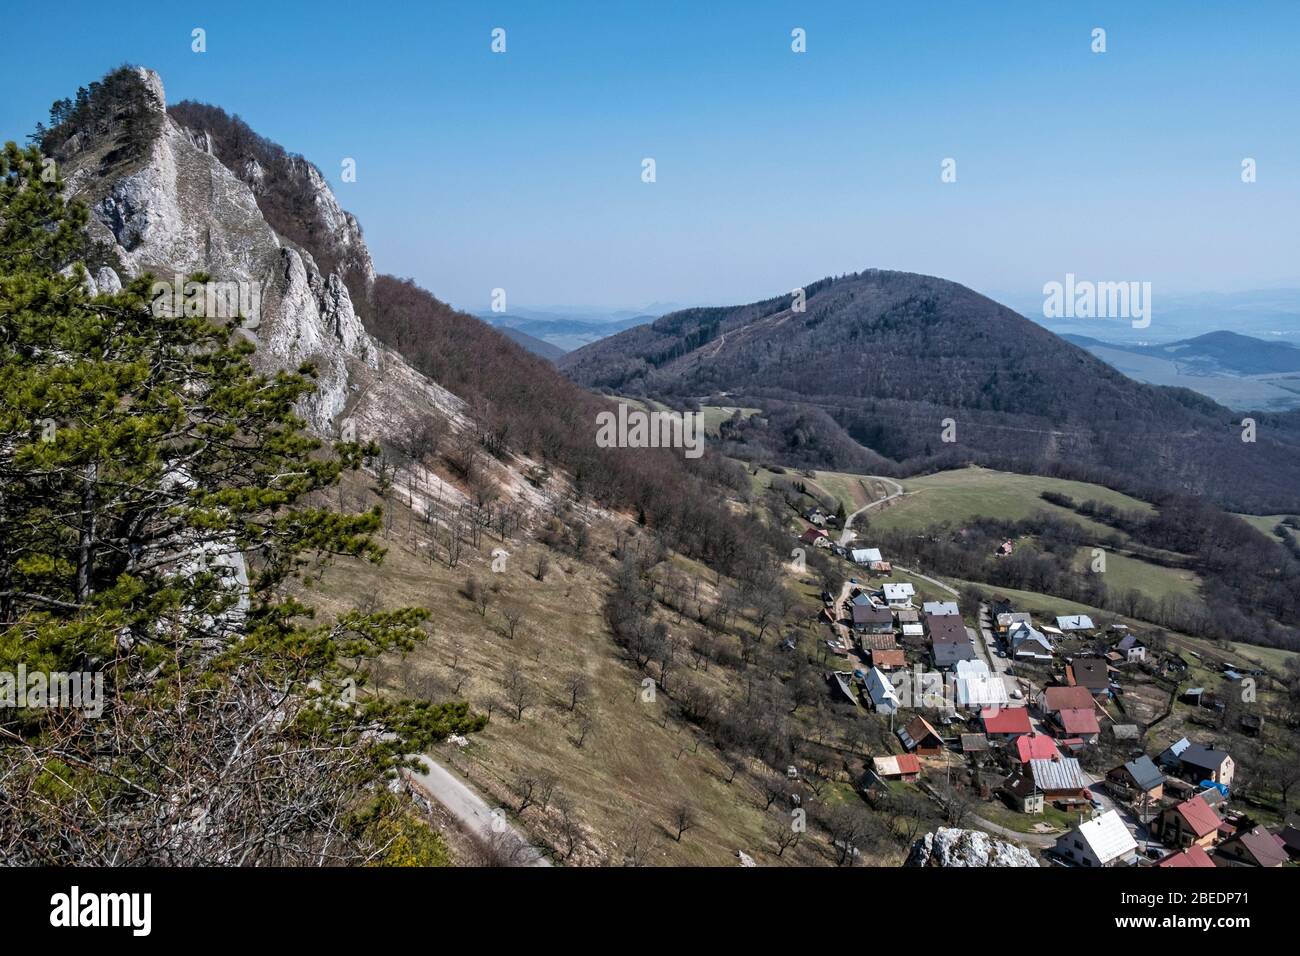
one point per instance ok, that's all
(1051, 721)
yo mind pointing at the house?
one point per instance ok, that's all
(842, 686)
(899, 595)
(906, 615)
(884, 699)
(1032, 746)
(1192, 856)
(1061, 780)
(1055, 699)
(1005, 723)
(977, 689)
(1090, 672)
(1005, 548)
(865, 555)
(913, 630)
(878, 642)
(941, 607)
(1074, 622)
(1169, 758)
(919, 737)
(946, 629)
(1289, 835)
(1190, 822)
(1131, 649)
(1257, 847)
(976, 744)
(1205, 763)
(1028, 643)
(888, 660)
(1139, 777)
(1023, 793)
(1006, 619)
(948, 656)
(873, 620)
(816, 537)
(901, 767)
(1101, 841)
(1079, 723)
(1124, 731)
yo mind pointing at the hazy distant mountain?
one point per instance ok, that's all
(882, 359)
(1263, 313)
(572, 329)
(1237, 370)
(535, 345)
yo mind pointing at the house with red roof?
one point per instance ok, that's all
(900, 767)
(1078, 723)
(1257, 847)
(1193, 856)
(1054, 699)
(1036, 747)
(1004, 723)
(1192, 822)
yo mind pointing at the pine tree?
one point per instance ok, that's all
(157, 498)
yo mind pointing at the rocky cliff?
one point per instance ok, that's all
(949, 846)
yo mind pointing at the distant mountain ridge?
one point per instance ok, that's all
(882, 359)
(1236, 370)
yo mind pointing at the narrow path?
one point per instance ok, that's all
(467, 806)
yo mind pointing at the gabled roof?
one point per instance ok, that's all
(1075, 622)
(1265, 848)
(974, 743)
(1206, 758)
(949, 655)
(872, 615)
(1066, 698)
(1089, 672)
(1200, 816)
(1174, 750)
(896, 766)
(865, 555)
(1062, 774)
(981, 690)
(880, 689)
(1036, 747)
(1127, 642)
(1020, 783)
(1079, 721)
(889, 658)
(1005, 720)
(1107, 837)
(1125, 731)
(918, 731)
(812, 534)
(1145, 774)
(1194, 855)
(941, 607)
(946, 629)
(899, 592)
(878, 642)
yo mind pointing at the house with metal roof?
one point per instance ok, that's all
(883, 696)
(865, 555)
(941, 607)
(900, 767)
(978, 689)
(1059, 779)
(1102, 841)
(873, 620)
(1075, 622)
(899, 595)
(948, 656)
(1079, 723)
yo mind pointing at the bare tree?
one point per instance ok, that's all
(519, 691)
(510, 620)
(576, 686)
(683, 819)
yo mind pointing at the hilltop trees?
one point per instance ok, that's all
(157, 497)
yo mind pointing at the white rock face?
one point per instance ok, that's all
(183, 212)
(949, 846)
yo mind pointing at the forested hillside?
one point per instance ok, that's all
(888, 356)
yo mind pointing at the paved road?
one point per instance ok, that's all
(466, 805)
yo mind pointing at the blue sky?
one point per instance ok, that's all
(522, 171)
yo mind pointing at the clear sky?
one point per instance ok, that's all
(522, 170)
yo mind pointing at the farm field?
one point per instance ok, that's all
(1125, 573)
